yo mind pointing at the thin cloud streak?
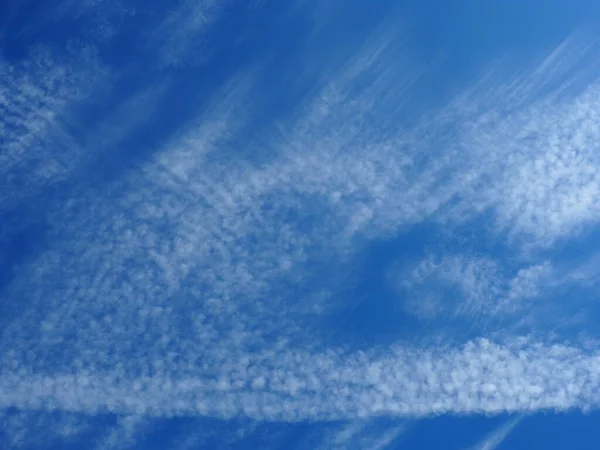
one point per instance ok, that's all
(364, 435)
(179, 39)
(387, 438)
(497, 437)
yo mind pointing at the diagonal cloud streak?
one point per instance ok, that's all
(498, 436)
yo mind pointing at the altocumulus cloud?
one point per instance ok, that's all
(177, 274)
(37, 98)
(481, 377)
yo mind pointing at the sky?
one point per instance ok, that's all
(299, 224)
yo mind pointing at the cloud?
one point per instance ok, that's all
(52, 429)
(36, 95)
(189, 245)
(456, 285)
(124, 434)
(94, 22)
(528, 283)
(549, 186)
(364, 435)
(190, 281)
(36, 429)
(537, 161)
(386, 439)
(469, 286)
(346, 433)
(481, 377)
(494, 439)
(531, 165)
(178, 40)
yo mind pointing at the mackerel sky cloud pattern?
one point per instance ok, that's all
(242, 223)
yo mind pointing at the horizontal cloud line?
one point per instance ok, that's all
(481, 377)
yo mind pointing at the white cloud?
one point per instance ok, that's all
(481, 377)
(388, 438)
(538, 165)
(495, 439)
(364, 435)
(178, 40)
(532, 164)
(456, 285)
(16, 22)
(36, 429)
(528, 283)
(35, 96)
(178, 276)
(124, 433)
(345, 433)
(469, 286)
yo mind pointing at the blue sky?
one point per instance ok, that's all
(299, 225)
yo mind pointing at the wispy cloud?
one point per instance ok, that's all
(178, 276)
(528, 283)
(346, 433)
(179, 39)
(291, 385)
(547, 187)
(93, 21)
(36, 100)
(537, 159)
(496, 437)
(456, 285)
(364, 435)
(39, 429)
(387, 438)
(469, 286)
(124, 433)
